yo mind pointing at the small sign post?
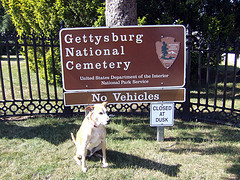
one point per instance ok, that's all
(162, 114)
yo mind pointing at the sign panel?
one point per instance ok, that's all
(78, 98)
(162, 114)
(133, 57)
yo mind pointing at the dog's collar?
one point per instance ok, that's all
(91, 120)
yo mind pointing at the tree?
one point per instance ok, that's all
(211, 21)
(208, 18)
(5, 21)
(121, 12)
(164, 50)
(45, 17)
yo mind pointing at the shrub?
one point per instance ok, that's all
(44, 17)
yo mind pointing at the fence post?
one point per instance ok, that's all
(186, 104)
(67, 111)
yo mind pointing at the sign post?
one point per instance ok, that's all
(160, 133)
(161, 115)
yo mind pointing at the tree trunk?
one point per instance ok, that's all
(121, 12)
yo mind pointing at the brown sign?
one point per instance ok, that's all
(77, 98)
(126, 58)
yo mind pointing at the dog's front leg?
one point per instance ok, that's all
(84, 154)
(105, 164)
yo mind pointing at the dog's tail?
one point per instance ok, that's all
(73, 138)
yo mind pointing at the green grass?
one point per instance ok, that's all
(42, 148)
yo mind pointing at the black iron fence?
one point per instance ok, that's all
(24, 89)
(30, 75)
(213, 80)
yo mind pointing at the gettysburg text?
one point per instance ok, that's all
(95, 50)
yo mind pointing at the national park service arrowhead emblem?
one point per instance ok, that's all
(167, 50)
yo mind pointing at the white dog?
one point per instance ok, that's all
(91, 137)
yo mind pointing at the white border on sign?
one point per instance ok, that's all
(159, 103)
(127, 89)
(118, 90)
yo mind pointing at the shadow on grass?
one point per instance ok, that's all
(138, 129)
(53, 133)
(122, 160)
(231, 150)
(128, 161)
(215, 132)
(235, 168)
(142, 130)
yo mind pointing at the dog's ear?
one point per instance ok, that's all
(89, 108)
(105, 104)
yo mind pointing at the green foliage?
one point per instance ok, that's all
(208, 18)
(43, 60)
(45, 17)
(101, 18)
(6, 24)
(5, 21)
(142, 21)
